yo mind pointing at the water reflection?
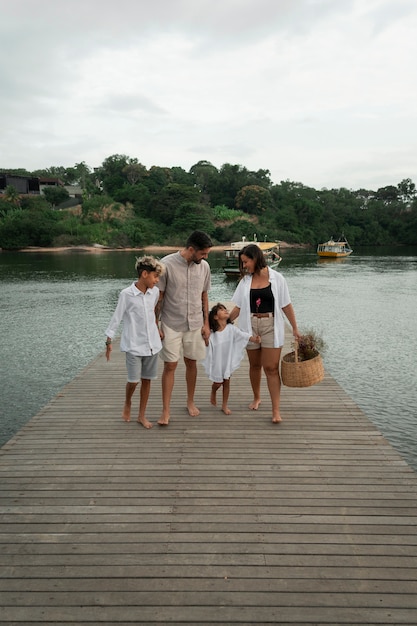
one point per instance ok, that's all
(55, 308)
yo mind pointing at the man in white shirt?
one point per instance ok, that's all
(140, 335)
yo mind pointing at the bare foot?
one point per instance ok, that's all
(164, 419)
(126, 413)
(277, 419)
(145, 423)
(192, 409)
(226, 410)
(255, 405)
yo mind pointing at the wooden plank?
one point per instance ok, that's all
(213, 520)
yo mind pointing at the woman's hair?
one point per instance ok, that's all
(150, 264)
(252, 251)
(213, 323)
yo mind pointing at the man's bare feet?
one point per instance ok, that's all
(126, 413)
(145, 423)
(226, 410)
(193, 411)
(254, 405)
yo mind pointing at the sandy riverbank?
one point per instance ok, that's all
(97, 249)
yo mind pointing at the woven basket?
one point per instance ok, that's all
(295, 373)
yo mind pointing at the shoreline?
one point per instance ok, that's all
(96, 249)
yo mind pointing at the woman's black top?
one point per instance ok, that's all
(262, 300)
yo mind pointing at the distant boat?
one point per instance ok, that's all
(334, 249)
(231, 254)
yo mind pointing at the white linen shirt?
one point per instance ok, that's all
(140, 335)
(281, 294)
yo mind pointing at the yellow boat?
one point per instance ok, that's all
(231, 254)
(334, 249)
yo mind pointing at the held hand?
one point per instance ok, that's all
(205, 331)
(296, 334)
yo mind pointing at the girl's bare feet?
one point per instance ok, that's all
(276, 419)
(145, 423)
(126, 413)
(226, 410)
(254, 405)
(214, 388)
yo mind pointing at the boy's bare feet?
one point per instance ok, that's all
(193, 411)
(126, 413)
(145, 423)
(254, 405)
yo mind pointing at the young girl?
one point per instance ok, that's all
(224, 352)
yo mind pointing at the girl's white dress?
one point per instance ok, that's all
(225, 352)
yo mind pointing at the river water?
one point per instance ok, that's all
(55, 307)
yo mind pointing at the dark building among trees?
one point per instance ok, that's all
(26, 185)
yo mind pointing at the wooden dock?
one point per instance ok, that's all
(212, 520)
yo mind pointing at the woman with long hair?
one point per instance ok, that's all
(261, 299)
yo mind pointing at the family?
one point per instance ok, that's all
(165, 314)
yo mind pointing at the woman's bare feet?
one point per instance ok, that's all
(145, 423)
(193, 411)
(126, 413)
(254, 405)
(163, 420)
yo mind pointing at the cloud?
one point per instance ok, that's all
(316, 91)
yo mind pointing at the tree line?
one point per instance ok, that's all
(124, 204)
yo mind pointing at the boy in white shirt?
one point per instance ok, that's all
(140, 335)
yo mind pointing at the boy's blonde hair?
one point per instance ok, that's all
(150, 264)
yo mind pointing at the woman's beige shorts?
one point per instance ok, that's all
(263, 326)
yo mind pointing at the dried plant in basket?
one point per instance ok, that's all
(304, 366)
(309, 346)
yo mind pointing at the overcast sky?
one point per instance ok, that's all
(321, 92)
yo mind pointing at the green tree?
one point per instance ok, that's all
(407, 190)
(191, 216)
(158, 178)
(11, 196)
(134, 171)
(253, 199)
(55, 195)
(164, 205)
(112, 172)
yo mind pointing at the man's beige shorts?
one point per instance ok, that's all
(189, 344)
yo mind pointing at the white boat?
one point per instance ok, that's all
(334, 249)
(231, 254)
